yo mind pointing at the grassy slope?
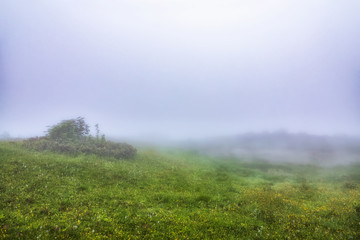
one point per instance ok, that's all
(172, 195)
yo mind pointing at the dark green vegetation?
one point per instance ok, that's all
(72, 137)
(172, 195)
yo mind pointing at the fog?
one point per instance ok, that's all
(281, 147)
(180, 69)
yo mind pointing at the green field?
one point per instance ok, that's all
(173, 194)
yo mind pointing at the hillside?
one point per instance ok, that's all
(173, 194)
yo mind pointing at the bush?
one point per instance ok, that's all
(72, 137)
(350, 185)
(69, 130)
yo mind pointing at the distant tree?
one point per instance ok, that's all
(69, 130)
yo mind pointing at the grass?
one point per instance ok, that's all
(173, 195)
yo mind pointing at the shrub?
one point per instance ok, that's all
(69, 130)
(350, 185)
(72, 137)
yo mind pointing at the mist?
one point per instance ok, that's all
(281, 147)
(179, 69)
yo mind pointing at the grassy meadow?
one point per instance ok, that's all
(173, 194)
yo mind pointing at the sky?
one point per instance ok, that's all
(180, 68)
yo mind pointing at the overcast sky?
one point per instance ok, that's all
(180, 68)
